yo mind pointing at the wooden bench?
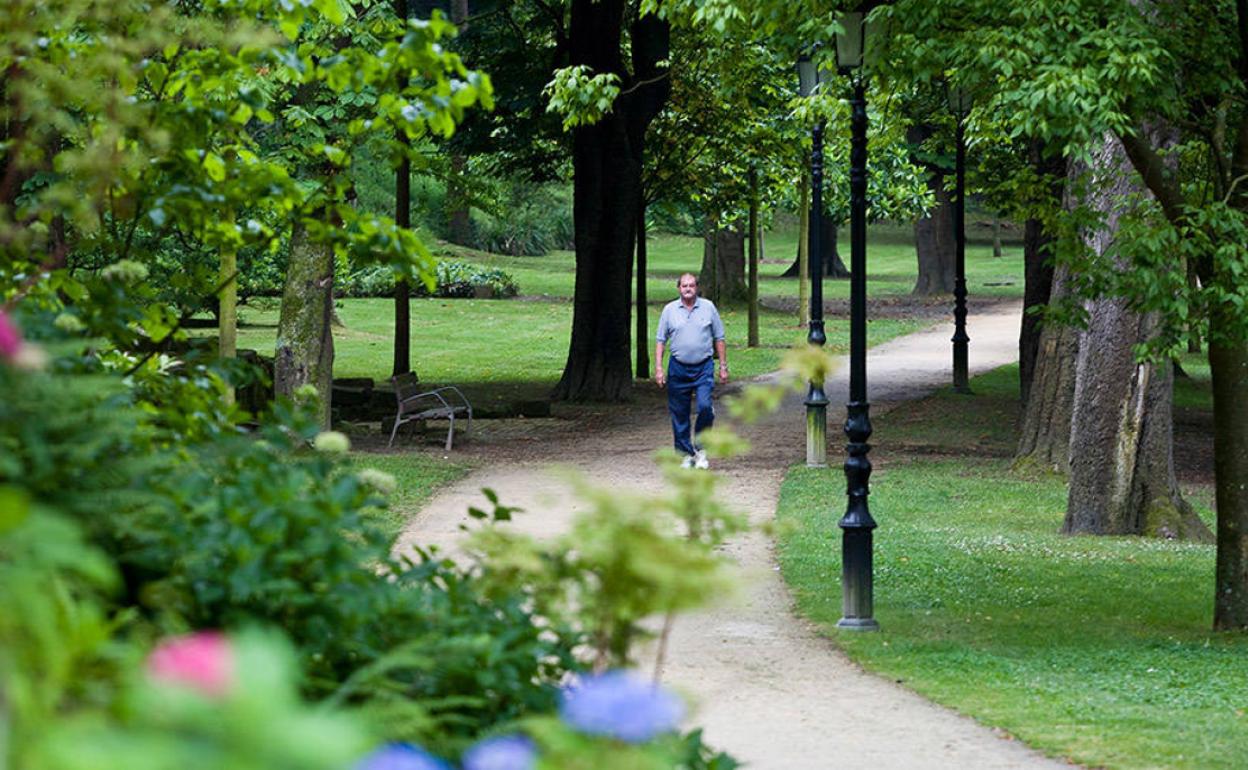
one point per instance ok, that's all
(445, 403)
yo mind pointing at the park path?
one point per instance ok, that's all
(762, 681)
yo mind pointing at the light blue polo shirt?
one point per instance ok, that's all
(690, 332)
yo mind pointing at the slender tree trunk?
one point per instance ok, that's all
(803, 254)
(402, 362)
(752, 336)
(643, 326)
(227, 314)
(1193, 329)
(1037, 265)
(934, 244)
(996, 236)
(459, 218)
(1228, 363)
(305, 344)
(1121, 448)
(607, 163)
(227, 307)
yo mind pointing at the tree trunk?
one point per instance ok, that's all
(227, 314)
(1122, 478)
(1044, 438)
(803, 254)
(1228, 363)
(752, 335)
(402, 362)
(459, 218)
(607, 162)
(1037, 265)
(722, 277)
(934, 243)
(833, 265)
(1193, 327)
(996, 236)
(305, 345)
(643, 326)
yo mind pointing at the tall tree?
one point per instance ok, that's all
(402, 218)
(1068, 72)
(933, 232)
(607, 160)
(1122, 478)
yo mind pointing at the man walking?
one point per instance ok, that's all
(692, 329)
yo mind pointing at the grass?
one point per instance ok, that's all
(1093, 649)
(518, 347)
(417, 476)
(891, 265)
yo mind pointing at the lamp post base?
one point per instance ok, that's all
(816, 427)
(858, 624)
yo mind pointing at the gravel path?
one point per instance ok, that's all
(763, 683)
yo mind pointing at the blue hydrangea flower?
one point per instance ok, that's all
(512, 752)
(401, 756)
(620, 705)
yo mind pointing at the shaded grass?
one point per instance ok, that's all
(418, 477)
(1095, 649)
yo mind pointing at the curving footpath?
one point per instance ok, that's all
(765, 685)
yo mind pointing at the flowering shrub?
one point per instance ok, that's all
(621, 705)
(202, 661)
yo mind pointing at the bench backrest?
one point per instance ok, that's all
(405, 385)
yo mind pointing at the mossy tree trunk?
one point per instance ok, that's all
(305, 343)
(1122, 478)
(227, 315)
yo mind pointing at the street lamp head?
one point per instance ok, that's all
(807, 75)
(960, 98)
(850, 41)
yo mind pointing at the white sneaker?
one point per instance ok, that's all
(687, 462)
(699, 460)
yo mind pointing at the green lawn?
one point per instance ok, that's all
(1095, 649)
(520, 345)
(417, 475)
(890, 265)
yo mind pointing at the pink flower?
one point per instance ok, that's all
(10, 338)
(202, 661)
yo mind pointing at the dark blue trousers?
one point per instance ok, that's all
(684, 381)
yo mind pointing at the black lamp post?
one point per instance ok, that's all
(857, 580)
(959, 104)
(809, 78)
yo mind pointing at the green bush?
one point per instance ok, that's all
(454, 280)
(214, 528)
(531, 221)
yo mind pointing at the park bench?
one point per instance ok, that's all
(445, 403)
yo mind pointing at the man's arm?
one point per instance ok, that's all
(721, 352)
(660, 377)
